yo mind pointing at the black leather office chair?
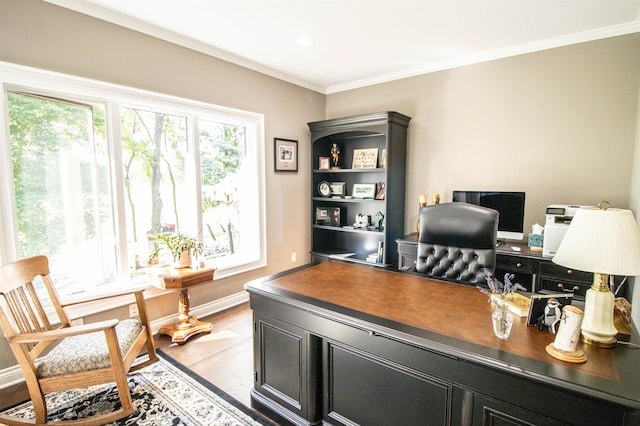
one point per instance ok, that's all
(457, 242)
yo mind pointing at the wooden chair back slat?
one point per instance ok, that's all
(22, 308)
(37, 305)
(30, 310)
(15, 313)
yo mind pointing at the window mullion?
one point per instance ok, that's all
(8, 215)
(196, 174)
(114, 137)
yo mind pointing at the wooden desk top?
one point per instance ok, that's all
(457, 318)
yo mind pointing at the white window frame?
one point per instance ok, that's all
(16, 77)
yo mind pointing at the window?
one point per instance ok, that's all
(96, 170)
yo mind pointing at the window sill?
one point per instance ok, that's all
(93, 307)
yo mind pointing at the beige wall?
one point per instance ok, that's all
(41, 35)
(559, 124)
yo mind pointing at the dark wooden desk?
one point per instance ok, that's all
(343, 343)
(536, 272)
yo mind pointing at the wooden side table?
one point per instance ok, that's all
(181, 279)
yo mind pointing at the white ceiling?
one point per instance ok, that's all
(363, 42)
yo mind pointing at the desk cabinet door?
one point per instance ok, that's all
(364, 389)
(285, 360)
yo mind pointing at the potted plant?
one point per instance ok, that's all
(181, 246)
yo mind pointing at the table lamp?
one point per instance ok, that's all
(604, 241)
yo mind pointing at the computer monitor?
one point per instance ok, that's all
(510, 206)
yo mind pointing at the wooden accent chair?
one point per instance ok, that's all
(56, 356)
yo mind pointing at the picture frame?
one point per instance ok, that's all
(285, 155)
(365, 158)
(337, 189)
(381, 191)
(324, 189)
(324, 163)
(364, 190)
(539, 301)
(329, 216)
(335, 214)
(323, 216)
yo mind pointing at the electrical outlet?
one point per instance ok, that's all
(133, 310)
(293, 258)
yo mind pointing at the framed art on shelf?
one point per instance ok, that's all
(285, 155)
(380, 194)
(337, 189)
(365, 158)
(364, 190)
(323, 163)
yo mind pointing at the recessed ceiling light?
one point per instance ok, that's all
(304, 41)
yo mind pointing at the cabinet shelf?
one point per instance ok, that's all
(348, 200)
(347, 228)
(331, 171)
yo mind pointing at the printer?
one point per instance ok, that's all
(558, 219)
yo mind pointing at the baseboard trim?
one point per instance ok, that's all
(13, 375)
(200, 311)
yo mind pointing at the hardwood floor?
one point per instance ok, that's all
(224, 357)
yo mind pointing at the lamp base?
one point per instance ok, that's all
(597, 325)
(576, 357)
(600, 344)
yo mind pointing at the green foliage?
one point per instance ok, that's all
(176, 242)
(40, 130)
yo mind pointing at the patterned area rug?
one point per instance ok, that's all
(163, 393)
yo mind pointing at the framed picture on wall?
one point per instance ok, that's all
(285, 155)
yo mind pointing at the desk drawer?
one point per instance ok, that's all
(408, 248)
(554, 285)
(515, 264)
(549, 269)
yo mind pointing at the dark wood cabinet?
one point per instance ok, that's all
(335, 199)
(344, 344)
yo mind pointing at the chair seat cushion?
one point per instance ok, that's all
(86, 352)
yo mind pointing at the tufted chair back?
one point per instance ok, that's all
(457, 242)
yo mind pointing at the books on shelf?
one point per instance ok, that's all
(372, 257)
(518, 304)
(376, 256)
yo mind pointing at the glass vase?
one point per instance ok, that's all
(502, 322)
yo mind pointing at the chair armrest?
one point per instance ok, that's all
(104, 296)
(61, 333)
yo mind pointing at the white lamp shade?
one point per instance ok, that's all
(602, 241)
